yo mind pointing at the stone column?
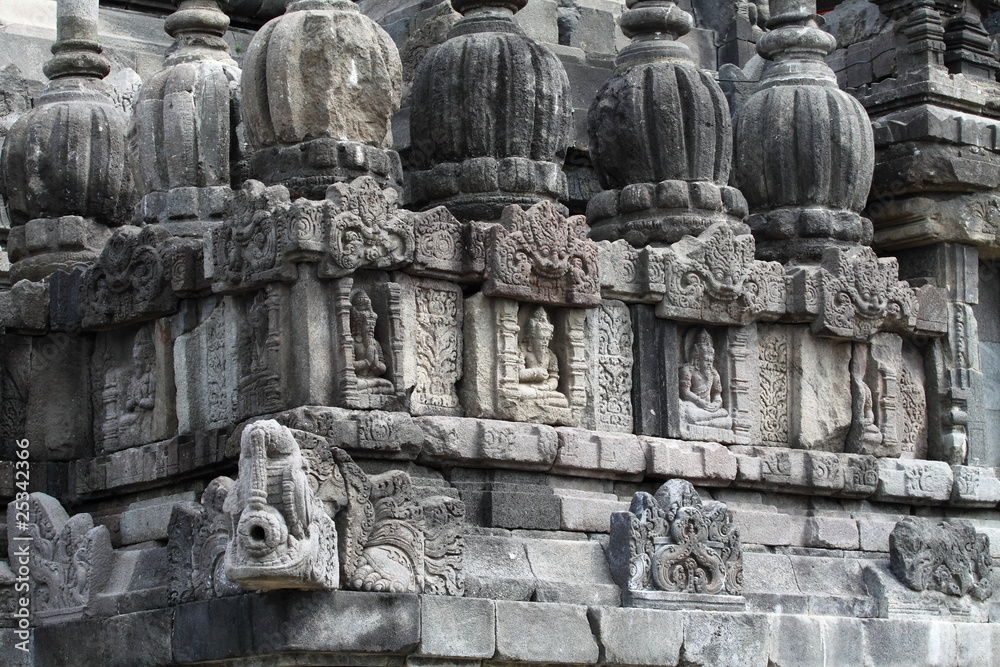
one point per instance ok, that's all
(320, 84)
(804, 148)
(661, 138)
(185, 128)
(67, 173)
(490, 118)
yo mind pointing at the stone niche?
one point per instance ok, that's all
(133, 387)
(694, 382)
(313, 342)
(524, 362)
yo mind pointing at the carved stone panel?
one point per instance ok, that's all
(205, 367)
(609, 365)
(949, 556)
(912, 404)
(70, 559)
(696, 383)
(875, 397)
(433, 310)
(541, 255)
(775, 382)
(673, 549)
(133, 387)
(524, 362)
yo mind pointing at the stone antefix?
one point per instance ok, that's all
(672, 550)
(67, 172)
(948, 556)
(70, 558)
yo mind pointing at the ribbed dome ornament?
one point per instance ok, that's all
(490, 119)
(660, 138)
(66, 170)
(185, 129)
(320, 84)
(804, 148)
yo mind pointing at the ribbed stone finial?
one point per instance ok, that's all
(67, 173)
(804, 149)
(660, 137)
(185, 126)
(490, 118)
(320, 84)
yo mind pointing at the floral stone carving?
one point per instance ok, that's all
(541, 255)
(853, 294)
(672, 548)
(947, 556)
(304, 515)
(70, 558)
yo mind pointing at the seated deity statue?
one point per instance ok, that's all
(539, 371)
(141, 388)
(701, 386)
(870, 432)
(369, 364)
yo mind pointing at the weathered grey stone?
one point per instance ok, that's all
(588, 581)
(457, 628)
(588, 512)
(524, 633)
(498, 568)
(800, 218)
(725, 639)
(487, 442)
(800, 640)
(948, 556)
(24, 307)
(707, 463)
(826, 532)
(638, 636)
(148, 519)
(914, 481)
(604, 455)
(905, 642)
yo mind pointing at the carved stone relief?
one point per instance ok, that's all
(259, 352)
(913, 404)
(774, 385)
(672, 548)
(71, 559)
(133, 387)
(305, 515)
(198, 537)
(524, 362)
(433, 311)
(609, 349)
(949, 556)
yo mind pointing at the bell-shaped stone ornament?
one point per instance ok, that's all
(491, 117)
(804, 148)
(67, 172)
(320, 84)
(661, 137)
(185, 126)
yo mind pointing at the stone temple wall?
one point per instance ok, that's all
(499, 332)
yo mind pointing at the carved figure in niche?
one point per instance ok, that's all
(700, 384)
(257, 318)
(369, 362)
(139, 390)
(539, 374)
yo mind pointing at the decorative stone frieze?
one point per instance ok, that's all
(657, 191)
(609, 363)
(70, 558)
(141, 275)
(265, 234)
(477, 164)
(949, 556)
(806, 176)
(674, 550)
(794, 470)
(186, 125)
(67, 172)
(320, 84)
(323, 523)
(542, 256)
